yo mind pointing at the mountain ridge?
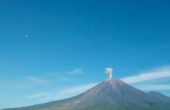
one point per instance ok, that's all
(111, 94)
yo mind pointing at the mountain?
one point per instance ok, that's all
(111, 94)
(160, 97)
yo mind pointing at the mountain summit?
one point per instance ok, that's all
(110, 94)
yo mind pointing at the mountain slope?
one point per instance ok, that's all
(160, 97)
(109, 95)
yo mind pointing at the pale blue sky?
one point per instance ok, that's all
(50, 46)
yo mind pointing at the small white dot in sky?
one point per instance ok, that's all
(26, 35)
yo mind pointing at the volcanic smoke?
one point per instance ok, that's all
(109, 71)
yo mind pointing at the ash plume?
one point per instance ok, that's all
(109, 71)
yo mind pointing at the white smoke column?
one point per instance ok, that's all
(109, 71)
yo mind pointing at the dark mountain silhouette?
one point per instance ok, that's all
(109, 95)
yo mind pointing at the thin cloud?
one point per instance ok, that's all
(67, 75)
(69, 92)
(62, 78)
(159, 87)
(36, 79)
(76, 71)
(62, 94)
(144, 80)
(40, 96)
(147, 76)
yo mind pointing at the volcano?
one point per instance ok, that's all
(111, 94)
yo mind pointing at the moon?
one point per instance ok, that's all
(26, 35)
